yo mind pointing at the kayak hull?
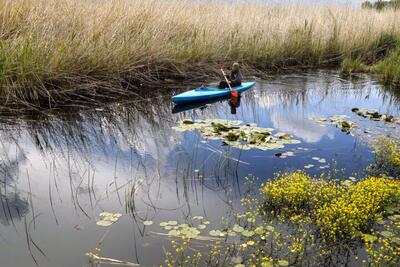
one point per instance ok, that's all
(203, 94)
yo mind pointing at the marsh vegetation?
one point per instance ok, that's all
(53, 51)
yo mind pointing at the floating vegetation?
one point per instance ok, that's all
(341, 121)
(235, 134)
(308, 166)
(108, 218)
(148, 223)
(375, 115)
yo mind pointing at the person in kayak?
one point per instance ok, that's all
(234, 77)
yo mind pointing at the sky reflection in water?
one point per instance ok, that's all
(59, 172)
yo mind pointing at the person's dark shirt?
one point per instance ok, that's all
(235, 77)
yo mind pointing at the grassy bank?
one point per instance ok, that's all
(47, 45)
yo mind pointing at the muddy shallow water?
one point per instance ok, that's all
(59, 171)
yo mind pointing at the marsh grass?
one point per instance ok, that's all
(57, 44)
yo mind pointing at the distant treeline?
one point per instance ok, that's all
(382, 4)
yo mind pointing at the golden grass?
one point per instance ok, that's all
(63, 41)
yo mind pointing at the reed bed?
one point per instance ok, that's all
(88, 44)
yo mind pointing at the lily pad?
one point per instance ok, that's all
(174, 233)
(237, 228)
(270, 228)
(247, 233)
(148, 223)
(216, 233)
(201, 226)
(283, 263)
(104, 223)
(239, 136)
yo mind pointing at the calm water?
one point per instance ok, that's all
(59, 171)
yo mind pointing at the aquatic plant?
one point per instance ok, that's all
(296, 213)
(387, 157)
(108, 218)
(341, 121)
(83, 45)
(235, 134)
(374, 115)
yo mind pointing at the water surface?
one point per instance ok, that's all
(60, 170)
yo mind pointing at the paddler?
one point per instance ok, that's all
(234, 77)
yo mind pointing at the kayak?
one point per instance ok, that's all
(206, 93)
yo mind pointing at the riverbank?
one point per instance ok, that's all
(52, 51)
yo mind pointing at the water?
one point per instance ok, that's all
(60, 170)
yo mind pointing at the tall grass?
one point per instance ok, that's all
(52, 42)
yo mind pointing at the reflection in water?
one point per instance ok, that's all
(234, 103)
(13, 206)
(66, 167)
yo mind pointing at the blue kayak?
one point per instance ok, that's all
(206, 93)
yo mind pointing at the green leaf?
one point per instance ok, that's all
(369, 238)
(216, 233)
(283, 263)
(270, 228)
(237, 228)
(247, 233)
(147, 223)
(201, 226)
(387, 234)
(173, 233)
(104, 223)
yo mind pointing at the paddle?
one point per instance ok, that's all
(233, 92)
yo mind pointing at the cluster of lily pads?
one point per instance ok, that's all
(237, 134)
(375, 115)
(341, 121)
(108, 218)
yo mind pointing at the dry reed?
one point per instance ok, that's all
(52, 42)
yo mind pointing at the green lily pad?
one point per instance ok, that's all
(237, 228)
(201, 226)
(270, 228)
(104, 223)
(231, 233)
(283, 263)
(173, 233)
(247, 233)
(259, 230)
(148, 223)
(217, 233)
(172, 223)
